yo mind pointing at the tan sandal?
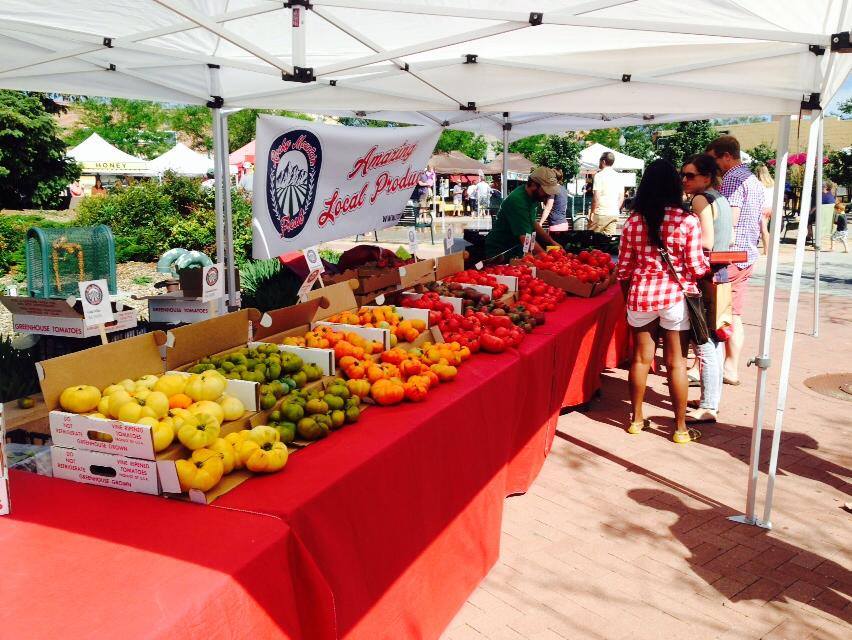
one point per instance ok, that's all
(638, 425)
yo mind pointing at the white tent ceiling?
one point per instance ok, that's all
(625, 59)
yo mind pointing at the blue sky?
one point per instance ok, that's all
(844, 93)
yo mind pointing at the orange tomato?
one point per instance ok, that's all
(387, 392)
(180, 401)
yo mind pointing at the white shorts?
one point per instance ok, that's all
(674, 318)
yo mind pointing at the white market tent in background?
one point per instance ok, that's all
(591, 155)
(182, 160)
(97, 156)
(516, 67)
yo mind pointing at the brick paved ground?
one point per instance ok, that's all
(627, 537)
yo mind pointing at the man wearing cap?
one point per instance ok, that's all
(519, 215)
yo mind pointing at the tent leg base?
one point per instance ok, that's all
(752, 521)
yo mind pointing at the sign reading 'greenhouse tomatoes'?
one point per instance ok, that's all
(316, 182)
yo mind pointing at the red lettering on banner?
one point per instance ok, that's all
(336, 206)
(293, 223)
(373, 160)
(385, 183)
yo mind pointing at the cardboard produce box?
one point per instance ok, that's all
(573, 285)
(105, 470)
(55, 317)
(100, 367)
(448, 265)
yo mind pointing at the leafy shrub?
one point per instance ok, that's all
(149, 218)
(330, 255)
(141, 217)
(13, 235)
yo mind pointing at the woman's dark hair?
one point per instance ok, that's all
(660, 188)
(706, 165)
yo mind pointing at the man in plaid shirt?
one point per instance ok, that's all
(745, 194)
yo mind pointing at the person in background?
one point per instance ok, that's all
(98, 189)
(75, 189)
(655, 298)
(247, 180)
(840, 221)
(745, 194)
(768, 187)
(700, 177)
(472, 199)
(588, 194)
(518, 216)
(827, 197)
(209, 182)
(483, 196)
(607, 196)
(556, 208)
(458, 194)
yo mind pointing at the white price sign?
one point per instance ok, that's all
(96, 306)
(308, 284)
(313, 259)
(213, 282)
(449, 240)
(412, 241)
(528, 242)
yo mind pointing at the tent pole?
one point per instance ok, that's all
(299, 16)
(762, 360)
(504, 176)
(817, 234)
(230, 257)
(790, 331)
(221, 178)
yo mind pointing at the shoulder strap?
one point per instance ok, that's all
(664, 256)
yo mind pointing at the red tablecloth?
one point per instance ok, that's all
(86, 562)
(381, 531)
(401, 514)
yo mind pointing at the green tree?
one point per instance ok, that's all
(560, 152)
(33, 166)
(686, 139)
(528, 146)
(762, 154)
(839, 168)
(639, 142)
(242, 125)
(606, 137)
(196, 123)
(470, 144)
(134, 126)
(844, 109)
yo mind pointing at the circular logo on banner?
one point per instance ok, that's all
(212, 276)
(94, 294)
(292, 175)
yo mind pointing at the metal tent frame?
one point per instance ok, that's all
(570, 64)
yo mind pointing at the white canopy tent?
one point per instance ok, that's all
(100, 157)
(591, 155)
(182, 160)
(517, 67)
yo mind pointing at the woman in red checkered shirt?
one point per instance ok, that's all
(654, 297)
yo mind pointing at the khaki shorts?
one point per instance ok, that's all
(605, 224)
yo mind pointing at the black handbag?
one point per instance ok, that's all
(694, 305)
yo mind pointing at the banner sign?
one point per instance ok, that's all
(213, 282)
(316, 182)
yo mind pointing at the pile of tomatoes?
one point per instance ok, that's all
(481, 331)
(587, 266)
(472, 276)
(438, 309)
(532, 292)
